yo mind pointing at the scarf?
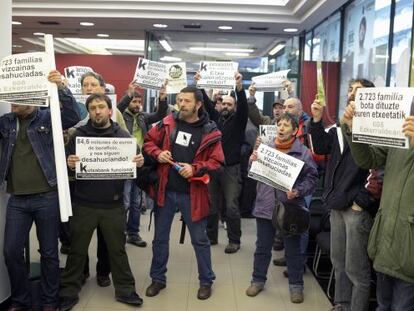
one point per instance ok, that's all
(284, 146)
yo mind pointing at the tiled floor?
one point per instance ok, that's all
(233, 276)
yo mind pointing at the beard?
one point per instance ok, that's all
(184, 113)
(100, 123)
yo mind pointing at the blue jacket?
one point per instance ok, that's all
(305, 184)
(40, 136)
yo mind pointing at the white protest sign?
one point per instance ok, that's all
(380, 114)
(267, 133)
(176, 77)
(105, 158)
(82, 100)
(271, 81)
(149, 74)
(23, 79)
(73, 74)
(217, 75)
(275, 168)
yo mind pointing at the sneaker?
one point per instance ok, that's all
(280, 262)
(254, 289)
(103, 280)
(131, 299)
(204, 292)
(136, 240)
(232, 248)
(154, 289)
(296, 296)
(67, 303)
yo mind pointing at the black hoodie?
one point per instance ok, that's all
(97, 193)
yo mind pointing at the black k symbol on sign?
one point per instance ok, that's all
(141, 64)
(83, 168)
(70, 73)
(263, 132)
(203, 67)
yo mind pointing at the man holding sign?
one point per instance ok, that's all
(28, 165)
(391, 242)
(98, 203)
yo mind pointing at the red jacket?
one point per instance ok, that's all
(209, 156)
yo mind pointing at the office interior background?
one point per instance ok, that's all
(358, 38)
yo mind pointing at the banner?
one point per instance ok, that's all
(149, 74)
(74, 74)
(23, 79)
(275, 168)
(217, 75)
(105, 158)
(270, 82)
(176, 77)
(380, 114)
(267, 133)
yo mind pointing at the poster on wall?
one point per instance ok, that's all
(380, 114)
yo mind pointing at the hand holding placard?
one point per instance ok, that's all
(348, 115)
(317, 110)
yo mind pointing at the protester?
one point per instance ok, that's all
(285, 142)
(28, 166)
(191, 140)
(97, 203)
(352, 209)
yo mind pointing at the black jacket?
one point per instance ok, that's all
(344, 180)
(232, 128)
(144, 119)
(97, 193)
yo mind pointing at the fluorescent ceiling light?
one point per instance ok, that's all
(87, 24)
(198, 48)
(39, 33)
(102, 35)
(170, 59)
(16, 23)
(103, 46)
(290, 29)
(16, 46)
(277, 48)
(237, 54)
(225, 27)
(272, 61)
(166, 45)
(160, 25)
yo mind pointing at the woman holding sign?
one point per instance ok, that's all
(266, 202)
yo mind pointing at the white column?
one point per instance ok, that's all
(5, 50)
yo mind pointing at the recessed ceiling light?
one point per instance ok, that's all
(160, 25)
(87, 24)
(16, 23)
(102, 35)
(225, 27)
(39, 33)
(290, 29)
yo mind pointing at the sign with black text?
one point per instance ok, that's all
(271, 81)
(176, 77)
(105, 158)
(217, 75)
(149, 74)
(267, 133)
(380, 114)
(73, 74)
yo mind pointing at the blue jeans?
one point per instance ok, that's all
(22, 210)
(394, 294)
(132, 203)
(163, 217)
(263, 254)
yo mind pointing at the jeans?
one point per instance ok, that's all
(263, 254)
(349, 240)
(163, 218)
(394, 294)
(225, 182)
(132, 203)
(22, 210)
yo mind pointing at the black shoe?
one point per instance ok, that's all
(213, 242)
(280, 262)
(67, 303)
(278, 245)
(136, 240)
(103, 280)
(131, 299)
(232, 248)
(204, 292)
(154, 289)
(64, 249)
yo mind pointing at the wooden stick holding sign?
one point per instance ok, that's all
(60, 158)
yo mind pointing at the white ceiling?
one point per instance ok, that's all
(130, 19)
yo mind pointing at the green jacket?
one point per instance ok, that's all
(391, 241)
